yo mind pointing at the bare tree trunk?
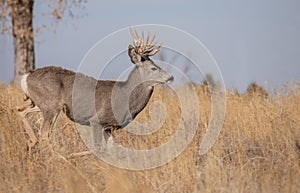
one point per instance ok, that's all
(22, 29)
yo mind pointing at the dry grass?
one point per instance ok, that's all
(258, 150)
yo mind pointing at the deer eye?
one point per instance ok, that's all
(154, 68)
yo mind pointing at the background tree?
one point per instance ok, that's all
(17, 18)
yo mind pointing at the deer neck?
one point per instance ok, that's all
(135, 85)
(137, 92)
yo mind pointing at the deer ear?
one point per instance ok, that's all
(134, 57)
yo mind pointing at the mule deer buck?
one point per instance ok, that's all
(50, 90)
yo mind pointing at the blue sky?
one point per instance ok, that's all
(250, 40)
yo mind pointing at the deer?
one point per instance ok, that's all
(50, 90)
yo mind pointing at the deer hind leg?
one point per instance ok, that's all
(24, 109)
(27, 104)
(50, 118)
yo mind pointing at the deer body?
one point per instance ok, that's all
(51, 88)
(103, 105)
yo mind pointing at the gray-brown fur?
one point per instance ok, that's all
(52, 89)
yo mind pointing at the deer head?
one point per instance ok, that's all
(139, 54)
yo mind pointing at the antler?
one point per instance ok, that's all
(144, 48)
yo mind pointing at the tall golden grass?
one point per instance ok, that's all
(258, 150)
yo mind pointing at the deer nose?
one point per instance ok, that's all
(170, 79)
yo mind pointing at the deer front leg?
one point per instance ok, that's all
(99, 136)
(108, 135)
(95, 140)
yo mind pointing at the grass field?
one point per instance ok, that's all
(258, 150)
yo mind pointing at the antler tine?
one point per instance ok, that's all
(149, 47)
(148, 44)
(151, 42)
(139, 42)
(148, 36)
(154, 51)
(144, 48)
(142, 38)
(136, 34)
(131, 33)
(133, 37)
